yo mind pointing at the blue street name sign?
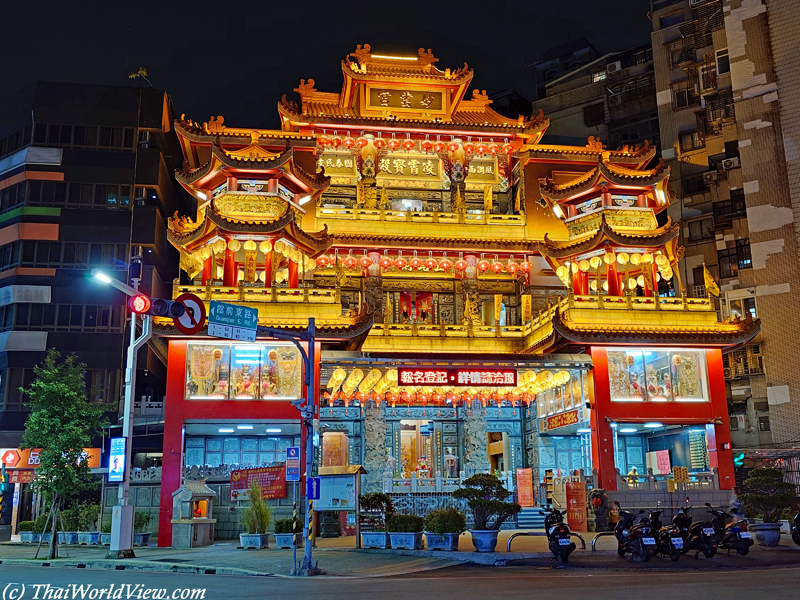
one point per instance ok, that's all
(232, 321)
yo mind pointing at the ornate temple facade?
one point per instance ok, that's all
(482, 300)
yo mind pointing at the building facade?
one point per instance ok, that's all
(86, 179)
(483, 301)
(726, 89)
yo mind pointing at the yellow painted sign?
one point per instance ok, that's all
(482, 170)
(384, 98)
(420, 167)
(338, 164)
(564, 419)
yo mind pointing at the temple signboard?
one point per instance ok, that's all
(337, 164)
(383, 98)
(469, 377)
(571, 417)
(482, 170)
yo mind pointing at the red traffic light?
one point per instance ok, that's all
(139, 304)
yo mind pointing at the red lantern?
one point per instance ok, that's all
(494, 149)
(415, 262)
(508, 148)
(336, 141)
(451, 397)
(394, 143)
(469, 147)
(436, 397)
(400, 262)
(379, 143)
(497, 266)
(452, 146)
(323, 140)
(362, 142)
(348, 142)
(408, 144)
(385, 262)
(350, 261)
(365, 261)
(461, 265)
(512, 267)
(445, 264)
(439, 147)
(426, 145)
(483, 265)
(525, 267)
(323, 261)
(361, 396)
(431, 263)
(481, 148)
(405, 397)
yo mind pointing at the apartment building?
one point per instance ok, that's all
(728, 88)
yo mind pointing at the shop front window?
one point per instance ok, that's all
(657, 376)
(224, 371)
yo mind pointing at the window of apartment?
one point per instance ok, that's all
(727, 210)
(739, 307)
(691, 140)
(684, 95)
(763, 423)
(732, 149)
(16, 140)
(599, 76)
(701, 230)
(733, 259)
(13, 196)
(694, 184)
(594, 115)
(733, 422)
(59, 193)
(723, 61)
(743, 256)
(84, 136)
(10, 256)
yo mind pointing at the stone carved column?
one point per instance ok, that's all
(375, 429)
(476, 459)
(374, 296)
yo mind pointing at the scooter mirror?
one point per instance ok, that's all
(708, 504)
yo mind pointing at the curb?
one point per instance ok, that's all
(497, 559)
(134, 565)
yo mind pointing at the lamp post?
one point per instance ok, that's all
(122, 514)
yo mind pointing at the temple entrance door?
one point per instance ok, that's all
(497, 449)
(417, 449)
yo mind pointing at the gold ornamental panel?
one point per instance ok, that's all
(628, 218)
(383, 98)
(404, 167)
(338, 164)
(255, 205)
(482, 170)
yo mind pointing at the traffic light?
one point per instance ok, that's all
(158, 307)
(738, 461)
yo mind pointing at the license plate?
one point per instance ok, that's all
(677, 542)
(563, 542)
(745, 535)
(649, 541)
(708, 531)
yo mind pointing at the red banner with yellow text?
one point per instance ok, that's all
(271, 479)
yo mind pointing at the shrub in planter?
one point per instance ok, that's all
(105, 533)
(284, 536)
(141, 524)
(443, 527)
(376, 509)
(768, 496)
(486, 499)
(87, 524)
(70, 519)
(255, 519)
(405, 531)
(25, 530)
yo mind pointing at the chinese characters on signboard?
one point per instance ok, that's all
(416, 100)
(482, 170)
(409, 166)
(470, 377)
(564, 419)
(337, 164)
(271, 479)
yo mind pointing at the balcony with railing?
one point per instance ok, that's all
(477, 217)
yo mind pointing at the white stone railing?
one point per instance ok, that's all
(699, 481)
(437, 483)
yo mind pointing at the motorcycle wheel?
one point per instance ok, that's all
(620, 550)
(564, 556)
(796, 537)
(709, 551)
(642, 551)
(743, 549)
(675, 554)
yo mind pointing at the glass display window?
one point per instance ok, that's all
(656, 375)
(245, 362)
(208, 371)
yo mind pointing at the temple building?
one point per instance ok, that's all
(482, 301)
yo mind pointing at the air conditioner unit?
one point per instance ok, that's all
(730, 163)
(614, 67)
(727, 374)
(710, 177)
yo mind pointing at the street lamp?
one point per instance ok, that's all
(122, 514)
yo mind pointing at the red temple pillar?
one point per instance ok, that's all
(718, 435)
(603, 458)
(613, 280)
(229, 274)
(208, 269)
(268, 269)
(172, 461)
(294, 278)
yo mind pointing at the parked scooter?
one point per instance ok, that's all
(730, 536)
(558, 535)
(668, 539)
(796, 529)
(637, 539)
(696, 536)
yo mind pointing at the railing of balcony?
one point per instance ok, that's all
(366, 214)
(242, 293)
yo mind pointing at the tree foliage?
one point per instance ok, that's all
(767, 493)
(485, 496)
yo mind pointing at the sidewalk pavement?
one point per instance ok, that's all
(339, 557)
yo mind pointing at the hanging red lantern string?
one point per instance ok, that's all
(426, 145)
(445, 263)
(394, 143)
(461, 265)
(379, 143)
(415, 262)
(408, 144)
(362, 142)
(497, 266)
(483, 265)
(385, 262)
(494, 149)
(431, 263)
(508, 148)
(348, 142)
(439, 147)
(336, 141)
(350, 261)
(400, 262)
(365, 261)
(525, 267)
(323, 140)
(469, 147)
(452, 146)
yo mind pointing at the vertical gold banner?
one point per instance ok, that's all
(249, 265)
(526, 309)
(498, 307)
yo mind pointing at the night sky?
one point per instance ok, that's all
(237, 58)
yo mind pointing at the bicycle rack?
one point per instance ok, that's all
(541, 533)
(601, 534)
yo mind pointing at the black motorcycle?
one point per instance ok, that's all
(696, 536)
(730, 536)
(637, 539)
(668, 539)
(558, 535)
(796, 529)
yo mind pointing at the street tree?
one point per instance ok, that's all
(62, 422)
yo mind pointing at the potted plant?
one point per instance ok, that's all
(405, 531)
(767, 495)
(26, 534)
(87, 524)
(105, 533)
(443, 527)
(39, 528)
(376, 509)
(284, 536)
(255, 519)
(141, 523)
(70, 519)
(486, 499)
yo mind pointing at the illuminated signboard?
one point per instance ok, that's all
(405, 99)
(561, 420)
(428, 376)
(116, 460)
